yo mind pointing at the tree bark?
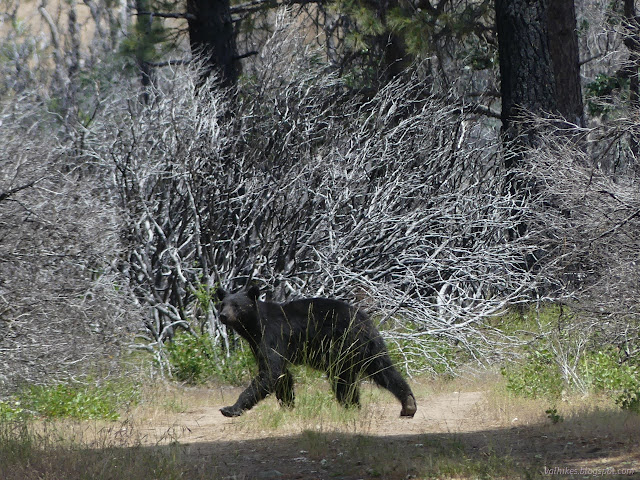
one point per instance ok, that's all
(211, 34)
(527, 84)
(540, 75)
(563, 47)
(632, 42)
(146, 71)
(527, 78)
(539, 64)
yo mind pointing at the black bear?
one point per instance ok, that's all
(328, 335)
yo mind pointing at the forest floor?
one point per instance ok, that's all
(459, 431)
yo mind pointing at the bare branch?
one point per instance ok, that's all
(392, 200)
(256, 5)
(6, 194)
(185, 15)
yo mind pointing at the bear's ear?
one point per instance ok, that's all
(253, 291)
(220, 294)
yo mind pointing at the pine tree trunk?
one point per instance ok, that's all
(527, 79)
(527, 83)
(211, 34)
(563, 47)
(539, 61)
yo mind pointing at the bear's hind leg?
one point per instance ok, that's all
(284, 390)
(385, 375)
(347, 390)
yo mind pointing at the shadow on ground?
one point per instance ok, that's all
(529, 452)
(205, 445)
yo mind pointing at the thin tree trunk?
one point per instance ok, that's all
(632, 42)
(146, 71)
(61, 76)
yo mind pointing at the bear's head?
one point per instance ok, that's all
(238, 310)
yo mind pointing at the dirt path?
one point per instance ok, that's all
(446, 413)
(451, 431)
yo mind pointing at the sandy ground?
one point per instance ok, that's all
(452, 412)
(449, 427)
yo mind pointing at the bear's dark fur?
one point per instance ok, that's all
(329, 335)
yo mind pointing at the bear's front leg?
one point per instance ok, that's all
(231, 411)
(260, 387)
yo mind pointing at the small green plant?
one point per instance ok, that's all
(601, 91)
(605, 372)
(538, 376)
(11, 410)
(553, 415)
(204, 296)
(191, 357)
(629, 399)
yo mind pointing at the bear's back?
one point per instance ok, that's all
(324, 316)
(321, 309)
(325, 327)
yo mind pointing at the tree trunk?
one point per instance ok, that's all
(211, 34)
(563, 47)
(539, 68)
(144, 27)
(527, 79)
(527, 84)
(632, 42)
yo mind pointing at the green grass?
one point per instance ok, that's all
(315, 405)
(87, 400)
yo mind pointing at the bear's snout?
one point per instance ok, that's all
(226, 317)
(223, 318)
